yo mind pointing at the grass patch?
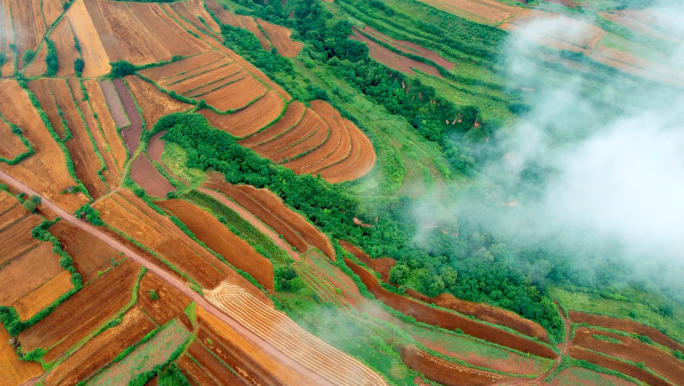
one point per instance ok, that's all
(175, 158)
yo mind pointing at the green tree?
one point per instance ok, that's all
(153, 295)
(30, 206)
(79, 64)
(399, 274)
(28, 55)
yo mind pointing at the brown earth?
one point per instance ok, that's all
(306, 127)
(336, 148)
(483, 11)
(17, 239)
(93, 53)
(197, 7)
(66, 50)
(100, 350)
(392, 60)
(310, 143)
(222, 241)
(293, 114)
(155, 150)
(169, 71)
(14, 371)
(11, 216)
(148, 177)
(250, 25)
(86, 162)
(567, 377)
(154, 103)
(410, 47)
(224, 16)
(107, 123)
(480, 311)
(280, 38)
(661, 362)
(196, 374)
(34, 302)
(112, 174)
(75, 87)
(51, 10)
(171, 302)
(7, 201)
(10, 144)
(360, 161)
(627, 326)
(114, 104)
(446, 373)
(236, 95)
(83, 312)
(38, 66)
(28, 24)
(27, 273)
(251, 119)
(197, 83)
(41, 89)
(447, 320)
(90, 255)
(131, 136)
(614, 364)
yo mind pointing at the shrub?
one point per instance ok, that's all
(153, 295)
(79, 64)
(28, 55)
(91, 215)
(51, 59)
(30, 206)
(122, 68)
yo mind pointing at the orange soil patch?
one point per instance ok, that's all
(236, 95)
(239, 353)
(293, 114)
(183, 11)
(197, 375)
(614, 364)
(114, 104)
(6, 38)
(661, 362)
(154, 103)
(38, 66)
(28, 23)
(65, 47)
(183, 66)
(410, 47)
(17, 239)
(75, 87)
(222, 241)
(158, 38)
(109, 131)
(10, 144)
(250, 25)
(450, 321)
(251, 119)
(280, 38)
(89, 253)
(27, 273)
(485, 11)
(284, 334)
(112, 174)
(304, 145)
(627, 326)
(582, 35)
(307, 126)
(100, 350)
(224, 16)
(252, 219)
(336, 148)
(148, 177)
(83, 312)
(14, 371)
(131, 136)
(390, 59)
(94, 55)
(271, 210)
(11, 216)
(573, 376)
(480, 311)
(206, 80)
(171, 301)
(360, 161)
(86, 162)
(43, 296)
(197, 7)
(7, 201)
(41, 89)
(51, 10)
(446, 373)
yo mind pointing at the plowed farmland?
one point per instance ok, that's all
(289, 338)
(211, 368)
(11, 216)
(251, 119)
(89, 254)
(271, 210)
(627, 326)
(661, 362)
(28, 23)
(148, 177)
(28, 272)
(112, 174)
(43, 296)
(448, 320)
(14, 371)
(107, 123)
(444, 372)
(92, 51)
(483, 11)
(83, 312)
(46, 171)
(51, 10)
(64, 45)
(17, 239)
(101, 350)
(131, 136)
(10, 144)
(169, 304)
(114, 104)
(222, 241)
(614, 364)
(154, 103)
(360, 161)
(279, 36)
(410, 47)
(38, 66)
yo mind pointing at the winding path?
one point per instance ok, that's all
(172, 281)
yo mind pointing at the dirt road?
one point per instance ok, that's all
(171, 280)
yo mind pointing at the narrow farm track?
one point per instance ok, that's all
(174, 282)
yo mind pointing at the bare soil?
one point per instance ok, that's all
(148, 177)
(131, 136)
(251, 119)
(170, 303)
(154, 103)
(34, 302)
(280, 38)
